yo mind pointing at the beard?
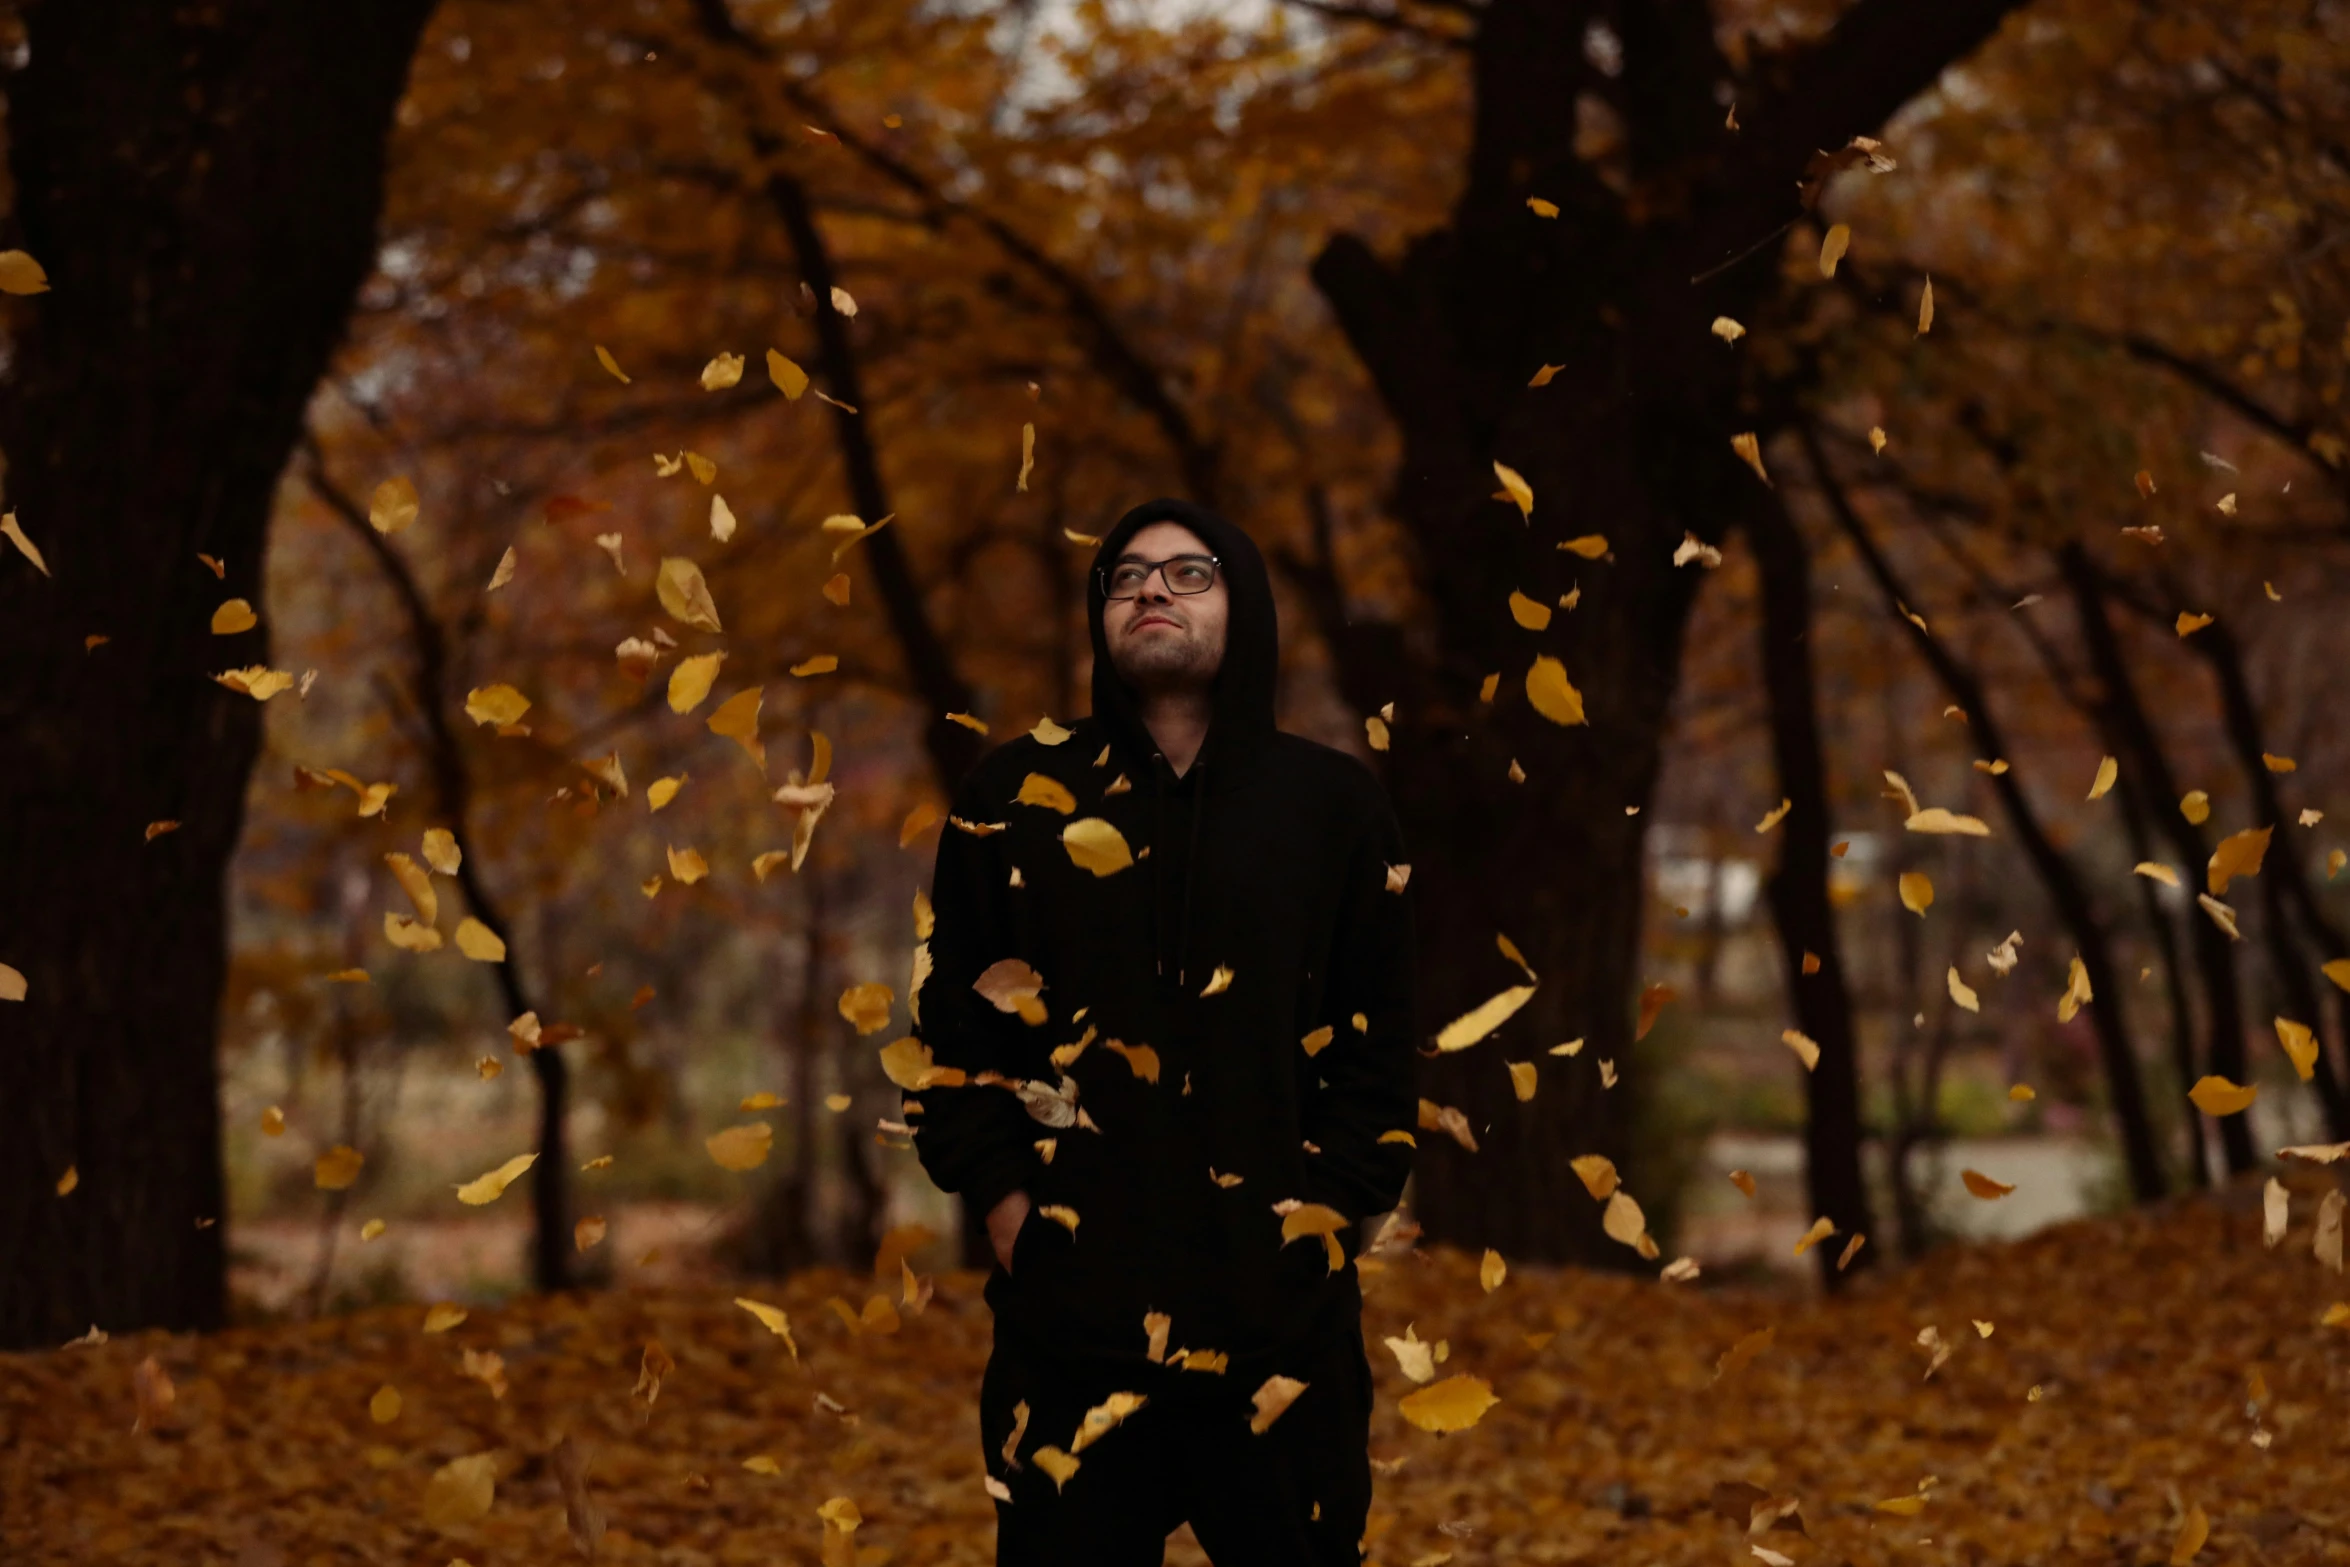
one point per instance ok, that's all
(1160, 661)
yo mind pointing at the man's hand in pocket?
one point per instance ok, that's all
(1003, 1226)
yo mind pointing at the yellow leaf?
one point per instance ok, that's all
(1520, 492)
(741, 1148)
(499, 704)
(817, 664)
(1917, 891)
(1541, 208)
(2156, 872)
(1532, 614)
(1774, 816)
(2217, 1096)
(1926, 308)
(1141, 1059)
(722, 522)
(1375, 732)
(2300, 1046)
(2278, 764)
(1806, 1049)
(478, 942)
(1903, 1506)
(12, 983)
(461, 1491)
(773, 1319)
(1749, 450)
(759, 1464)
(1483, 1018)
(836, 589)
(722, 372)
(1051, 793)
(2076, 992)
(504, 571)
(1623, 1221)
(661, 791)
(867, 1006)
(841, 1514)
(1934, 819)
(1741, 1354)
(685, 595)
(1821, 1229)
(737, 719)
(2339, 972)
(1728, 330)
(441, 851)
(1553, 695)
(604, 358)
(1983, 1186)
(393, 506)
(1219, 981)
(1027, 457)
(1315, 1042)
(21, 274)
(24, 546)
(490, 1186)
(687, 865)
(443, 1316)
(2238, 854)
(414, 882)
(1056, 1463)
(232, 617)
(789, 378)
(338, 1168)
(1066, 1218)
(2195, 805)
(1096, 845)
(1491, 1271)
(1962, 993)
(408, 936)
(1597, 1172)
(2107, 771)
(384, 1407)
(1521, 1079)
(1590, 545)
(2187, 625)
(2193, 1531)
(691, 680)
(2021, 1093)
(1454, 1404)
(1833, 246)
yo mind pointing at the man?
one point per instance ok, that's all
(1204, 1041)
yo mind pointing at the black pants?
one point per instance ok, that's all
(1296, 1496)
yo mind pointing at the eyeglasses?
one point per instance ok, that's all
(1181, 573)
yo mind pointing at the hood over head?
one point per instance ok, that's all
(1242, 718)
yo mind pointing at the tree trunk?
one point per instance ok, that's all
(202, 185)
(1632, 442)
(2215, 960)
(1798, 889)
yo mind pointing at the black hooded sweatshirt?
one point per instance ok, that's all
(1271, 857)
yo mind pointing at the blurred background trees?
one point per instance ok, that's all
(1024, 266)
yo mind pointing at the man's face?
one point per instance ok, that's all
(1162, 640)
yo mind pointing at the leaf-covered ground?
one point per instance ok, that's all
(2147, 1338)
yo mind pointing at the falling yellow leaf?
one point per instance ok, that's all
(414, 882)
(1743, 1181)
(2216, 1096)
(1055, 1463)
(1454, 1404)
(741, 1148)
(685, 595)
(478, 942)
(442, 1316)
(2238, 854)
(1518, 491)
(691, 680)
(2021, 1093)
(1806, 1049)
(393, 505)
(1553, 695)
(789, 378)
(773, 1319)
(2107, 771)
(1741, 1354)
(737, 719)
(1903, 1506)
(441, 851)
(1096, 845)
(2077, 993)
(12, 983)
(867, 1007)
(384, 1407)
(588, 1234)
(1833, 246)
(817, 664)
(1597, 1172)
(462, 1490)
(1917, 891)
(1622, 1220)
(1727, 330)
(836, 589)
(1483, 1018)
(338, 1168)
(722, 372)
(1532, 614)
(490, 1186)
(722, 522)
(687, 865)
(661, 791)
(1027, 457)
(604, 358)
(2278, 764)
(1821, 1229)
(2193, 1531)
(1962, 993)
(1983, 1186)
(499, 704)
(2299, 1042)
(1926, 308)
(1935, 819)
(1051, 793)
(2195, 805)
(1774, 816)
(2153, 871)
(1591, 546)
(1749, 450)
(2339, 972)
(408, 935)
(21, 274)
(24, 546)
(69, 1180)
(232, 617)
(1522, 1079)
(2187, 625)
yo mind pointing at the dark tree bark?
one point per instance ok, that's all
(1631, 441)
(2215, 961)
(2107, 1011)
(202, 184)
(1798, 888)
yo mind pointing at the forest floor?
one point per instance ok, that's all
(2109, 1383)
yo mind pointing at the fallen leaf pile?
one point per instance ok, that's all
(2147, 1371)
